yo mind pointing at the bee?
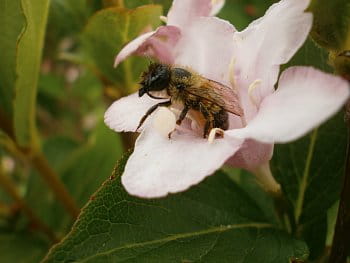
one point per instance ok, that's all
(183, 86)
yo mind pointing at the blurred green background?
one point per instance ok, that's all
(54, 91)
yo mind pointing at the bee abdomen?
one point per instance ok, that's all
(221, 119)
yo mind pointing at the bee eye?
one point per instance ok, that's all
(154, 78)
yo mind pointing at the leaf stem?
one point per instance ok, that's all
(11, 190)
(304, 180)
(341, 240)
(42, 166)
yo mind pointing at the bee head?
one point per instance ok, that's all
(157, 78)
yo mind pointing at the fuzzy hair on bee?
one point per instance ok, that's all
(194, 92)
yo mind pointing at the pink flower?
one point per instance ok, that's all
(248, 61)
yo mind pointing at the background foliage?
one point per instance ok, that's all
(56, 80)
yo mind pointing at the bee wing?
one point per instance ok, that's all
(219, 94)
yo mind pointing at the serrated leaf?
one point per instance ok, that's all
(108, 31)
(29, 52)
(331, 26)
(310, 171)
(11, 26)
(214, 221)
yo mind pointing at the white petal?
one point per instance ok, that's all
(206, 47)
(159, 166)
(157, 44)
(216, 6)
(183, 12)
(306, 97)
(251, 155)
(266, 44)
(126, 113)
(131, 47)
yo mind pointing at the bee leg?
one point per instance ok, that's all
(151, 110)
(183, 114)
(209, 124)
(207, 128)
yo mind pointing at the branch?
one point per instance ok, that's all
(38, 160)
(11, 190)
(6, 125)
(43, 167)
(341, 240)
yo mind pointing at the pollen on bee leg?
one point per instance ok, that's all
(164, 121)
(213, 133)
(251, 89)
(163, 19)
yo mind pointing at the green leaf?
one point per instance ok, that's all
(82, 169)
(67, 18)
(249, 184)
(332, 214)
(29, 51)
(11, 25)
(108, 31)
(310, 55)
(310, 171)
(21, 248)
(331, 26)
(135, 3)
(214, 220)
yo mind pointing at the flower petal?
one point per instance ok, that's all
(126, 113)
(205, 47)
(266, 44)
(306, 97)
(183, 12)
(251, 155)
(216, 6)
(157, 44)
(159, 166)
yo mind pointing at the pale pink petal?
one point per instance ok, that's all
(156, 44)
(183, 12)
(266, 44)
(131, 47)
(216, 6)
(206, 47)
(126, 113)
(251, 155)
(305, 98)
(159, 166)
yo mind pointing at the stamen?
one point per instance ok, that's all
(163, 19)
(251, 88)
(231, 73)
(213, 133)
